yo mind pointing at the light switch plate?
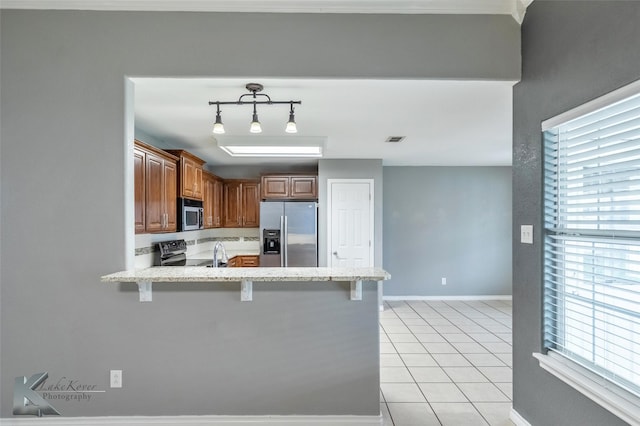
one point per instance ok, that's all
(526, 234)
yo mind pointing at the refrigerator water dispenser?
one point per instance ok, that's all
(271, 239)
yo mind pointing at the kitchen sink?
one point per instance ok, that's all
(220, 264)
(203, 262)
(199, 262)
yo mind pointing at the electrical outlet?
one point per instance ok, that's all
(444, 281)
(526, 234)
(116, 378)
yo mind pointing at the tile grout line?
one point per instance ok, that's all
(442, 335)
(414, 379)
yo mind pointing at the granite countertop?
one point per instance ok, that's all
(203, 274)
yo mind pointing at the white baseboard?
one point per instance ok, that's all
(431, 298)
(197, 420)
(516, 418)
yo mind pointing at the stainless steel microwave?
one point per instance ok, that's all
(191, 214)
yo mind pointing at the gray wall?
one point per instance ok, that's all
(452, 222)
(63, 77)
(573, 51)
(349, 169)
(255, 171)
(151, 140)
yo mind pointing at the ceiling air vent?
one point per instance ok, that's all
(394, 139)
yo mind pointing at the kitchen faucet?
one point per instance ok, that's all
(224, 259)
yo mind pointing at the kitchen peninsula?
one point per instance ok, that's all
(246, 276)
(307, 343)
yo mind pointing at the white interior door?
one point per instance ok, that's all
(350, 222)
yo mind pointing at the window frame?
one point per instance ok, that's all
(608, 394)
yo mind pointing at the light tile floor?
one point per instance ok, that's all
(446, 363)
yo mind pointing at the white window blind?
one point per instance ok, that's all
(592, 241)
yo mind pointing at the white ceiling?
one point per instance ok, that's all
(445, 122)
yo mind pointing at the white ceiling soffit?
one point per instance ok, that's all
(446, 122)
(515, 8)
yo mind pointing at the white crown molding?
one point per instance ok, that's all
(515, 8)
(519, 9)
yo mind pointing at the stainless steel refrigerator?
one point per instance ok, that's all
(288, 233)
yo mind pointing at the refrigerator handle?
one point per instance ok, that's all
(286, 241)
(283, 246)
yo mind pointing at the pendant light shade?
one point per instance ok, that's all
(291, 124)
(255, 124)
(218, 127)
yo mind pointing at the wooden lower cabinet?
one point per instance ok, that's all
(250, 261)
(244, 261)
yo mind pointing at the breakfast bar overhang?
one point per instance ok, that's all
(246, 277)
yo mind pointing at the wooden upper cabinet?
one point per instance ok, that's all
(232, 205)
(250, 205)
(212, 200)
(241, 204)
(275, 187)
(139, 158)
(171, 196)
(155, 188)
(207, 200)
(218, 202)
(304, 187)
(289, 187)
(190, 174)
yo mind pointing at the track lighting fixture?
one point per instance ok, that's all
(254, 88)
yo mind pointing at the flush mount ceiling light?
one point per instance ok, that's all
(255, 99)
(247, 146)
